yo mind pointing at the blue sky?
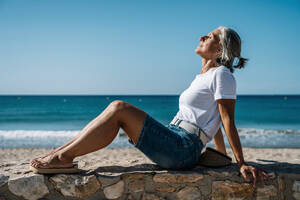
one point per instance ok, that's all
(141, 47)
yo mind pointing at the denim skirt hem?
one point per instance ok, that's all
(168, 146)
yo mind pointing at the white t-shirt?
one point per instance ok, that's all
(198, 105)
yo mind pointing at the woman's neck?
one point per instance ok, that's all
(207, 64)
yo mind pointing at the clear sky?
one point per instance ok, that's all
(142, 47)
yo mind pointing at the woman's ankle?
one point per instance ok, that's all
(64, 157)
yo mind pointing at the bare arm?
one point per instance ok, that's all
(219, 142)
(226, 108)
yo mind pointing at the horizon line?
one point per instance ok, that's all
(133, 94)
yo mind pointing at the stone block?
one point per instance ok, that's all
(165, 189)
(75, 185)
(223, 190)
(296, 186)
(296, 189)
(137, 185)
(134, 175)
(30, 187)
(147, 196)
(296, 195)
(3, 179)
(177, 178)
(189, 193)
(108, 180)
(264, 193)
(114, 191)
(221, 174)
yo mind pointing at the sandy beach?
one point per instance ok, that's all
(15, 161)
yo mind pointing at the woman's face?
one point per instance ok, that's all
(209, 46)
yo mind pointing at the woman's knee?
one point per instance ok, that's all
(118, 105)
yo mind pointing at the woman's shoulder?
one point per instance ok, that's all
(223, 73)
(222, 68)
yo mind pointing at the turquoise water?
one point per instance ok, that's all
(48, 121)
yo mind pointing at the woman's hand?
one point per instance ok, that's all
(255, 173)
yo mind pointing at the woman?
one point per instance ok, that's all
(208, 101)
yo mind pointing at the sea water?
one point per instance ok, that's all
(48, 121)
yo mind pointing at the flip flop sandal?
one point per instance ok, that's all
(43, 156)
(55, 170)
(214, 159)
(39, 158)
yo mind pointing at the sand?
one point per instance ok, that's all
(16, 161)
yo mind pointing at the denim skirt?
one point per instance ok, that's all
(169, 146)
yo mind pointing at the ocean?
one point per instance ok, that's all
(48, 121)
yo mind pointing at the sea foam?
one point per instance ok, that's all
(250, 137)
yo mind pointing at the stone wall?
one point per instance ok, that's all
(148, 182)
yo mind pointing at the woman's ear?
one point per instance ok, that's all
(219, 54)
(219, 51)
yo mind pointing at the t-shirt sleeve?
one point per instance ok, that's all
(223, 85)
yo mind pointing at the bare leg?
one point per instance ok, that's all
(101, 133)
(68, 143)
(77, 136)
(219, 142)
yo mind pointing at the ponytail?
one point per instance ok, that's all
(241, 63)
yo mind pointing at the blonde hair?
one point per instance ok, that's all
(231, 49)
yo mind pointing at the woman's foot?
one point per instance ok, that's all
(54, 160)
(44, 156)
